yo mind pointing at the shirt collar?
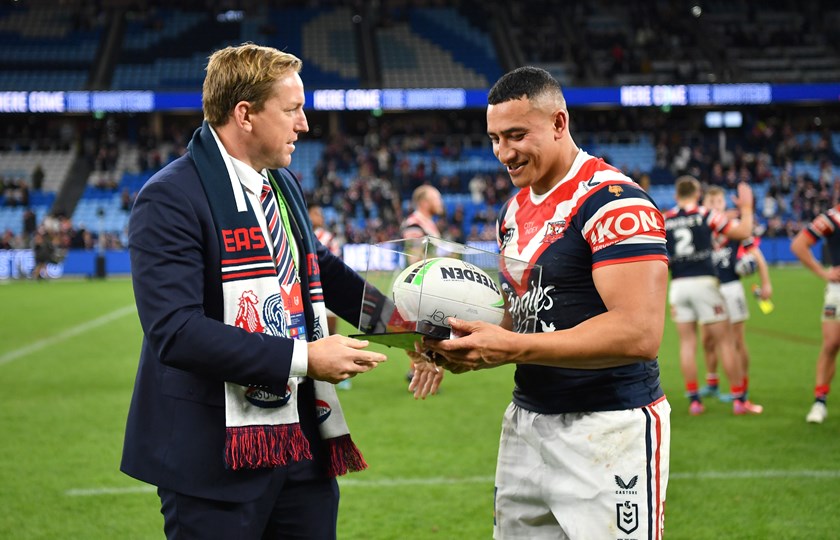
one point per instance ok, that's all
(248, 177)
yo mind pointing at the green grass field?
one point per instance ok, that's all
(68, 354)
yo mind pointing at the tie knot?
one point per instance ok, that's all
(266, 188)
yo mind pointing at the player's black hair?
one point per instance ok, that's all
(528, 81)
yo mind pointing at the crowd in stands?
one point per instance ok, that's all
(364, 181)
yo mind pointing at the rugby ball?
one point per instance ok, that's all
(432, 290)
(746, 265)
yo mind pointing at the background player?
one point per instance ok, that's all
(589, 373)
(725, 257)
(824, 227)
(695, 292)
(428, 204)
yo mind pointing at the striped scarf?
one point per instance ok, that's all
(263, 428)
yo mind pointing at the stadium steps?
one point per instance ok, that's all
(409, 61)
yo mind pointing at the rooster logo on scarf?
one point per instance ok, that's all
(248, 317)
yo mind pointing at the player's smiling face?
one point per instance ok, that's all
(524, 138)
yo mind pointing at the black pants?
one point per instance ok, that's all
(300, 502)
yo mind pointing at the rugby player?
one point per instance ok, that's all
(725, 256)
(584, 448)
(695, 295)
(823, 227)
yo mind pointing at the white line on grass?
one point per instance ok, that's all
(441, 480)
(67, 334)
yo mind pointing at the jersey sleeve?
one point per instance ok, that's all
(622, 224)
(823, 225)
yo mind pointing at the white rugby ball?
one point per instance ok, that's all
(432, 290)
(746, 265)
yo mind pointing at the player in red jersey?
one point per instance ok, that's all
(824, 227)
(584, 448)
(695, 295)
(726, 257)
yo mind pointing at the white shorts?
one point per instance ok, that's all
(831, 304)
(600, 475)
(736, 301)
(697, 299)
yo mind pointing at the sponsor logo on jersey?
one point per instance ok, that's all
(530, 227)
(507, 237)
(264, 399)
(627, 516)
(525, 308)
(621, 223)
(554, 231)
(616, 190)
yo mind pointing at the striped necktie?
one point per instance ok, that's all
(282, 250)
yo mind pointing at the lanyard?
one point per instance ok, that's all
(284, 217)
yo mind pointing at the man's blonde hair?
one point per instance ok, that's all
(714, 191)
(243, 73)
(421, 193)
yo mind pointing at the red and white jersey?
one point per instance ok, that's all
(824, 227)
(329, 240)
(595, 216)
(416, 225)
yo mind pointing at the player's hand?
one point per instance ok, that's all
(744, 200)
(833, 274)
(765, 292)
(478, 345)
(427, 376)
(336, 358)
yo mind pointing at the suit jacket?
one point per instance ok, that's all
(175, 433)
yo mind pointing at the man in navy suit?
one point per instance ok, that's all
(180, 411)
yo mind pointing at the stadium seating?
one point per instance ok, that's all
(46, 49)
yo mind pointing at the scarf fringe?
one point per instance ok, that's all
(344, 456)
(256, 447)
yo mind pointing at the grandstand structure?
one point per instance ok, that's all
(144, 46)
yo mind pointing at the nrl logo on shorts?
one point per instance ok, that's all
(616, 190)
(627, 516)
(554, 231)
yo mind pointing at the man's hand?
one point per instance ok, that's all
(336, 358)
(744, 199)
(427, 376)
(478, 345)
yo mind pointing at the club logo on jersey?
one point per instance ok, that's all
(627, 516)
(275, 316)
(626, 487)
(322, 410)
(616, 190)
(554, 231)
(264, 399)
(248, 317)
